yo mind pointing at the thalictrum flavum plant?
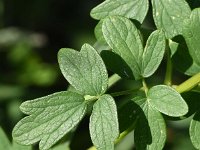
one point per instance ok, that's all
(130, 50)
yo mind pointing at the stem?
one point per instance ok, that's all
(125, 133)
(168, 75)
(113, 79)
(145, 86)
(189, 84)
(127, 92)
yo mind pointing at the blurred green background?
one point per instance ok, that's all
(31, 33)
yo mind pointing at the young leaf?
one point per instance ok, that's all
(169, 15)
(124, 39)
(104, 128)
(134, 9)
(84, 70)
(153, 53)
(5, 143)
(195, 130)
(167, 100)
(150, 131)
(50, 118)
(191, 34)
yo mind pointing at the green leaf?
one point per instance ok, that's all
(191, 34)
(50, 118)
(195, 130)
(98, 32)
(5, 143)
(104, 128)
(134, 9)
(150, 131)
(125, 40)
(167, 100)
(169, 15)
(84, 70)
(116, 64)
(153, 53)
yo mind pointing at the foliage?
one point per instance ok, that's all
(121, 32)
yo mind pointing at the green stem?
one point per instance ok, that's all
(189, 84)
(113, 79)
(168, 75)
(125, 133)
(145, 86)
(121, 93)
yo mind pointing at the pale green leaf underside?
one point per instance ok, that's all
(124, 39)
(169, 15)
(153, 53)
(84, 70)
(191, 34)
(104, 128)
(134, 9)
(167, 100)
(195, 130)
(150, 131)
(4, 142)
(50, 118)
(98, 32)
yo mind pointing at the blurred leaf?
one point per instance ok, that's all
(8, 92)
(195, 130)
(5, 143)
(16, 146)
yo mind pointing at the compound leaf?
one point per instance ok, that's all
(125, 40)
(50, 118)
(153, 53)
(150, 131)
(104, 128)
(191, 34)
(195, 130)
(134, 9)
(169, 15)
(84, 70)
(167, 100)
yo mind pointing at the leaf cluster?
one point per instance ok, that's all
(123, 50)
